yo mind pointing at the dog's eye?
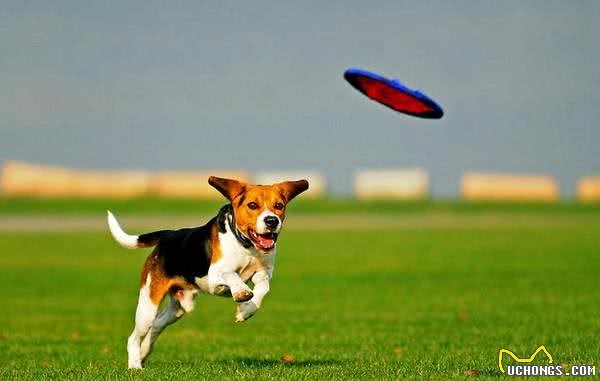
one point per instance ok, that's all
(252, 205)
(279, 206)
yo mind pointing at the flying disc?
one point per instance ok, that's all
(393, 94)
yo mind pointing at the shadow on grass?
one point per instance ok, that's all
(270, 363)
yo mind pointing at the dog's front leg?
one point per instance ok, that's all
(261, 287)
(219, 281)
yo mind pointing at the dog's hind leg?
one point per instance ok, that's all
(144, 316)
(180, 302)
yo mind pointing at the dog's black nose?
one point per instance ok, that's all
(271, 222)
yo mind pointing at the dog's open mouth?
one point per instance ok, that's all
(264, 242)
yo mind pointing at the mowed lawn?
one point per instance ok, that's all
(402, 303)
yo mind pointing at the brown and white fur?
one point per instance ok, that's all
(220, 258)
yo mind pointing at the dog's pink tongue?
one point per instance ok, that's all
(265, 242)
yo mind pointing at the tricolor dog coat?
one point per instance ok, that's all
(220, 258)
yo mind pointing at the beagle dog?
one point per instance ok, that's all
(220, 258)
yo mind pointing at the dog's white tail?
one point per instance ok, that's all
(124, 239)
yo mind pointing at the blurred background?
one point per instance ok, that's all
(422, 247)
(256, 89)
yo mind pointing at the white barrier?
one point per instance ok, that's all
(110, 184)
(401, 184)
(316, 181)
(508, 187)
(23, 179)
(588, 189)
(33, 180)
(190, 184)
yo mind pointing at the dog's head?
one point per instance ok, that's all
(259, 210)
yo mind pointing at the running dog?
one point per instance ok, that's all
(220, 258)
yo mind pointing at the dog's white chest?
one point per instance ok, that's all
(243, 261)
(236, 258)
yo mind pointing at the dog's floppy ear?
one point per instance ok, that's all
(228, 187)
(291, 189)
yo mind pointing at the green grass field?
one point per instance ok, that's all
(429, 301)
(146, 206)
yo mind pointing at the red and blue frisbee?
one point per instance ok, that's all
(393, 94)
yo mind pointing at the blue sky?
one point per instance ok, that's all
(258, 85)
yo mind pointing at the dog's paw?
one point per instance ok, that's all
(242, 296)
(135, 365)
(245, 311)
(222, 290)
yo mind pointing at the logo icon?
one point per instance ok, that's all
(541, 348)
